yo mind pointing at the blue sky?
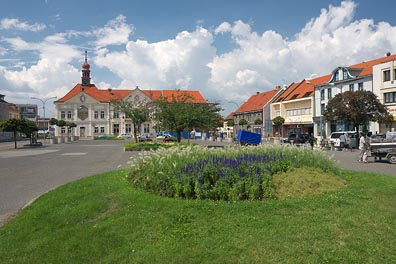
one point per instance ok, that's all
(229, 50)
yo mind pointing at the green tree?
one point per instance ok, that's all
(231, 123)
(258, 121)
(71, 125)
(16, 125)
(242, 122)
(357, 107)
(180, 113)
(278, 122)
(137, 112)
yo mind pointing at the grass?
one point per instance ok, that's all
(151, 145)
(101, 219)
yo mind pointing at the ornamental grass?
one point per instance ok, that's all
(230, 174)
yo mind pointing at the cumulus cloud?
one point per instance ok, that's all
(115, 32)
(259, 61)
(179, 63)
(16, 24)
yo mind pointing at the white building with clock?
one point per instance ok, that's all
(90, 108)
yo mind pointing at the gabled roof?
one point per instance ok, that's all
(257, 102)
(303, 89)
(230, 116)
(367, 66)
(106, 95)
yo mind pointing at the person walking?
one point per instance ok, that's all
(363, 147)
(342, 141)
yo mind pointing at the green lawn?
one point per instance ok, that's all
(102, 219)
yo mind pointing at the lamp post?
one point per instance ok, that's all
(237, 105)
(43, 100)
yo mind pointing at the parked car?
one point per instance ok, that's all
(350, 139)
(296, 138)
(171, 138)
(126, 136)
(144, 138)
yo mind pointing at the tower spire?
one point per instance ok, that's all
(85, 72)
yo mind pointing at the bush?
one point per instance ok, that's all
(196, 172)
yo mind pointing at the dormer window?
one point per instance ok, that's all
(345, 74)
(335, 77)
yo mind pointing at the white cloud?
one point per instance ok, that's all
(179, 63)
(115, 32)
(14, 23)
(260, 61)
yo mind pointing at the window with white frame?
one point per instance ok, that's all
(146, 128)
(116, 114)
(96, 114)
(102, 114)
(360, 86)
(63, 130)
(301, 111)
(128, 128)
(390, 97)
(322, 108)
(69, 115)
(116, 129)
(322, 94)
(96, 130)
(63, 115)
(329, 93)
(101, 129)
(345, 74)
(386, 75)
(351, 87)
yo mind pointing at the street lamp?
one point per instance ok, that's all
(43, 100)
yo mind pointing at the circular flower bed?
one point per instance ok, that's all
(243, 173)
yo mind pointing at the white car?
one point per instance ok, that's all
(127, 136)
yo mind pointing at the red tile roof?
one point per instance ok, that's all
(196, 96)
(256, 102)
(367, 66)
(106, 95)
(303, 89)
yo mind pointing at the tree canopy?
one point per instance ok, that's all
(278, 122)
(16, 125)
(180, 114)
(138, 113)
(357, 107)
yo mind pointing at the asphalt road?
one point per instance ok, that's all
(27, 173)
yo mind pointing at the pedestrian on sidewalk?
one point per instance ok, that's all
(363, 147)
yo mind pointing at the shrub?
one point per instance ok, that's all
(196, 172)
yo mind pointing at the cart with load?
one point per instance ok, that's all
(384, 148)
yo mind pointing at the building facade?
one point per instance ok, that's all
(357, 77)
(255, 111)
(28, 111)
(295, 105)
(384, 84)
(92, 109)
